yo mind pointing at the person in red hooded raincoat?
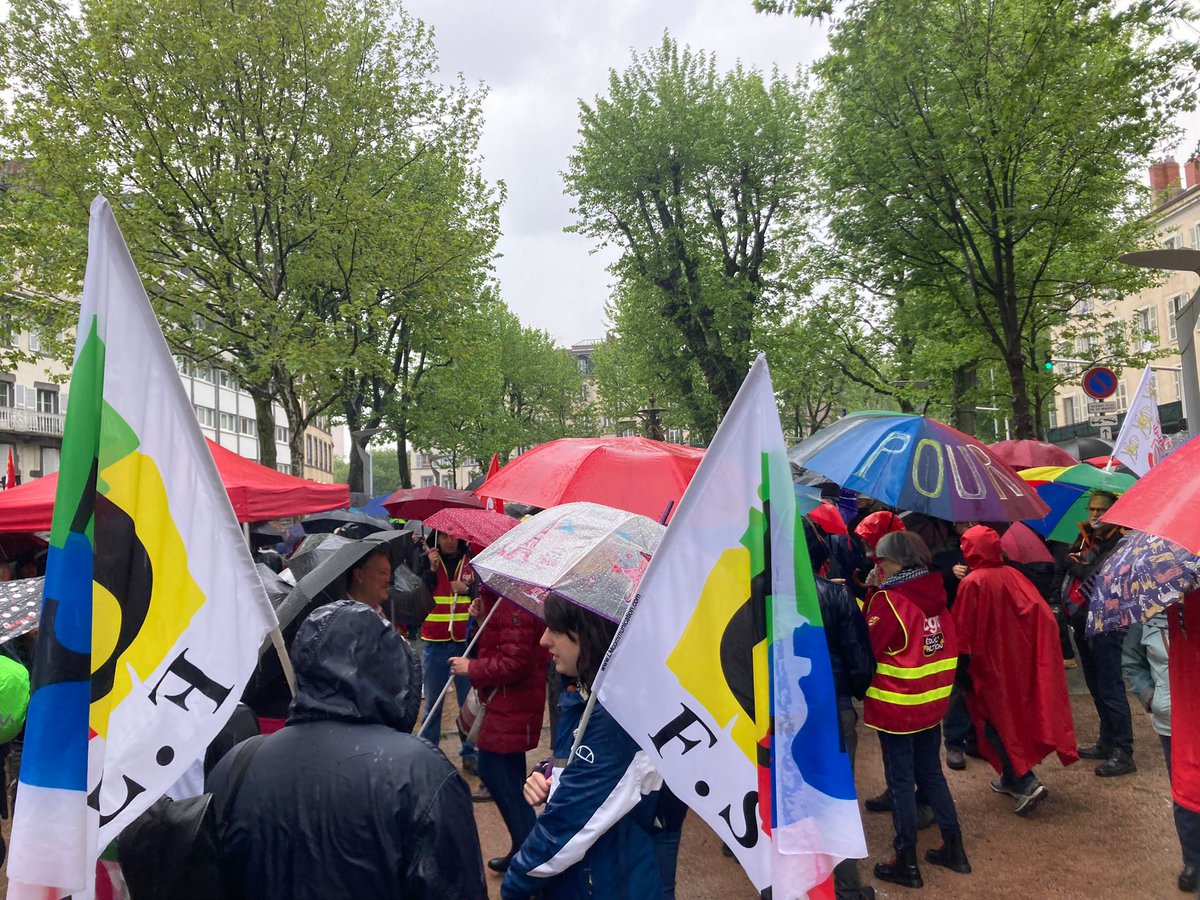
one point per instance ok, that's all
(1017, 693)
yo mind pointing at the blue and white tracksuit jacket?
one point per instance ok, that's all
(592, 841)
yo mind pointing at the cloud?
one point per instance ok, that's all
(538, 58)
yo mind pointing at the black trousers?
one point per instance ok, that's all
(1100, 657)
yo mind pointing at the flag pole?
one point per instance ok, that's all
(436, 706)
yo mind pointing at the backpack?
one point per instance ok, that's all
(172, 851)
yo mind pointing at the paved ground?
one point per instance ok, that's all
(1094, 838)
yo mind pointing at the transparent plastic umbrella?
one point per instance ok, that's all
(590, 554)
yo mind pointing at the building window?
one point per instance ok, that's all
(8, 337)
(249, 426)
(47, 401)
(1145, 325)
(205, 416)
(281, 434)
(7, 401)
(627, 431)
(1174, 304)
(226, 380)
(50, 457)
(1177, 380)
(422, 462)
(203, 373)
(1172, 242)
(1053, 418)
(1070, 410)
(284, 468)
(675, 435)
(428, 481)
(1122, 398)
(308, 451)
(1114, 334)
(35, 343)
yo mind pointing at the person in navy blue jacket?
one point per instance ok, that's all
(592, 841)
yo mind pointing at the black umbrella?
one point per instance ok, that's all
(323, 523)
(314, 550)
(277, 588)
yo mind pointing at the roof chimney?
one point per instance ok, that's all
(1191, 170)
(1164, 180)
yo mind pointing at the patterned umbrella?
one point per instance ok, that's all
(1065, 490)
(20, 606)
(917, 463)
(590, 554)
(1143, 576)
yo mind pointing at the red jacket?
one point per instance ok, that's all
(1183, 664)
(912, 636)
(1018, 683)
(511, 664)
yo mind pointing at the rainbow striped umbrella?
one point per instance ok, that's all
(1065, 490)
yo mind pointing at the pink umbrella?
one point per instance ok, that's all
(478, 527)
(1031, 454)
(1023, 545)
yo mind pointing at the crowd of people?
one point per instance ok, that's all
(943, 645)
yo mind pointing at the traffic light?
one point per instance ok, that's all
(1048, 362)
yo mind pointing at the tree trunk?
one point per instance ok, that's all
(356, 474)
(402, 455)
(1023, 422)
(264, 416)
(963, 415)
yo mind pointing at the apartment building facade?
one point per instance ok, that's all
(1147, 317)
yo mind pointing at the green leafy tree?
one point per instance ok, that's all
(981, 159)
(264, 158)
(699, 178)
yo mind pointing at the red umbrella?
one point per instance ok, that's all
(478, 527)
(1163, 501)
(420, 503)
(1023, 545)
(634, 474)
(1031, 454)
(827, 516)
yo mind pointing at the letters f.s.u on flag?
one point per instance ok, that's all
(152, 614)
(721, 671)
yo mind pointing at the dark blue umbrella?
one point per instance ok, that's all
(917, 463)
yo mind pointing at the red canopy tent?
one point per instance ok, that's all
(256, 492)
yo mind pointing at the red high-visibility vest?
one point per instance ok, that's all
(911, 688)
(448, 621)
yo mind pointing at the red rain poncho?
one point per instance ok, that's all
(1018, 683)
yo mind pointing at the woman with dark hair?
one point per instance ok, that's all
(593, 838)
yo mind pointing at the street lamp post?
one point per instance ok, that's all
(1182, 259)
(360, 439)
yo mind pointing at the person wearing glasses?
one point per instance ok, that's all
(1100, 655)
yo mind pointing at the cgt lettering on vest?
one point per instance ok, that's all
(687, 732)
(180, 684)
(935, 467)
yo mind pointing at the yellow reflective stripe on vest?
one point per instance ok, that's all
(942, 665)
(447, 617)
(909, 699)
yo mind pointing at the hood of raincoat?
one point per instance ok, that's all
(981, 548)
(352, 666)
(876, 525)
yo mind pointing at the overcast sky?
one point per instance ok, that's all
(538, 58)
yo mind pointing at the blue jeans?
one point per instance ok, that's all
(1187, 823)
(910, 759)
(503, 774)
(436, 661)
(1023, 782)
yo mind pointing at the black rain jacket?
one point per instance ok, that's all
(343, 801)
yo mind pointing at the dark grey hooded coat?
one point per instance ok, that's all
(344, 802)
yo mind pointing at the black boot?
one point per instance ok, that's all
(1120, 763)
(902, 870)
(950, 855)
(1097, 750)
(879, 803)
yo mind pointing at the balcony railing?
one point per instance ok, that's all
(30, 421)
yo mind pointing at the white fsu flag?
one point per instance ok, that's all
(721, 671)
(152, 614)
(1141, 443)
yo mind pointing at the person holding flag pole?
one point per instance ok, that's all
(720, 668)
(153, 612)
